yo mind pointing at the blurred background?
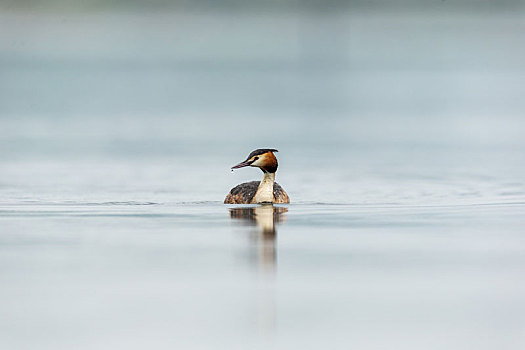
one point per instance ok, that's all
(167, 92)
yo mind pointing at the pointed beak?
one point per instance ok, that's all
(241, 165)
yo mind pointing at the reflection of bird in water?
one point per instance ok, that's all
(265, 191)
(264, 217)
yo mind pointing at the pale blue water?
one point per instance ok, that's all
(401, 146)
(100, 275)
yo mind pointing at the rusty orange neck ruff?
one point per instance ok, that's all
(268, 162)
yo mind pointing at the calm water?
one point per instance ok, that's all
(401, 146)
(141, 253)
(198, 275)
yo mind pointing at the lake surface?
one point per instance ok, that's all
(103, 255)
(195, 275)
(401, 139)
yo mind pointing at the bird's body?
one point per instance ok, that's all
(245, 194)
(264, 191)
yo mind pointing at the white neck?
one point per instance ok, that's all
(264, 193)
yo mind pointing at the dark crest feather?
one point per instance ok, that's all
(260, 151)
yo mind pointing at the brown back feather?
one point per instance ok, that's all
(244, 193)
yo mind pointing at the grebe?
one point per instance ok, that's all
(265, 191)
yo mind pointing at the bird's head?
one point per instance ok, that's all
(262, 158)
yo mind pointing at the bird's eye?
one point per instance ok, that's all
(254, 159)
